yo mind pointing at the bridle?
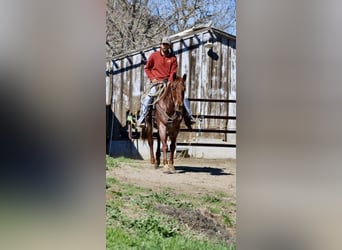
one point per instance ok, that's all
(178, 108)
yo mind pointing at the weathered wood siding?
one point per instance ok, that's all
(211, 74)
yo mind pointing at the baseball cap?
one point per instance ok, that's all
(166, 40)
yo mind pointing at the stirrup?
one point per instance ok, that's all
(141, 124)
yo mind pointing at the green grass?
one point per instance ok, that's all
(112, 162)
(118, 238)
(134, 222)
(211, 199)
(227, 220)
(214, 210)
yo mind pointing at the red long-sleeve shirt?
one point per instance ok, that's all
(160, 67)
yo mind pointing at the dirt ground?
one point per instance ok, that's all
(193, 176)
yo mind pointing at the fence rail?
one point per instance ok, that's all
(201, 144)
(216, 117)
(211, 100)
(210, 130)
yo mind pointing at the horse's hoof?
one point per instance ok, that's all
(156, 166)
(172, 169)
(166, 169)
(169, 169)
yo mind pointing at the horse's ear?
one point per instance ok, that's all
(184, 77)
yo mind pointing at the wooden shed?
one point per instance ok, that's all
(207, 55)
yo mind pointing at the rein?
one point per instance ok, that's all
(168, 118)
(159, 92)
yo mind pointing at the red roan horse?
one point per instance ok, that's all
(168, 116)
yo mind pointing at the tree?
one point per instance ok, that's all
(133, 24)
(128, 25)
(184, 14)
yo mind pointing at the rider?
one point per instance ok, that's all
(161, 66)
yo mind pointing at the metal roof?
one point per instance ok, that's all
(176, 37)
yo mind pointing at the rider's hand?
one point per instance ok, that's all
(155, 81)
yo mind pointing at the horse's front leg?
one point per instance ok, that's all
(163, 138)
(164, 147)
(172, 152)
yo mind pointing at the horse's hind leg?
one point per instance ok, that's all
(150, 142)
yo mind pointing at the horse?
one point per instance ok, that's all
(168, 115)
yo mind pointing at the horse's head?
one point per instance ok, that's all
(177, 86)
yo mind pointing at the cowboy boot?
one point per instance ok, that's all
(188, 118)
(188, 121)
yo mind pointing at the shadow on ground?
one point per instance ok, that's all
(209, 170)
